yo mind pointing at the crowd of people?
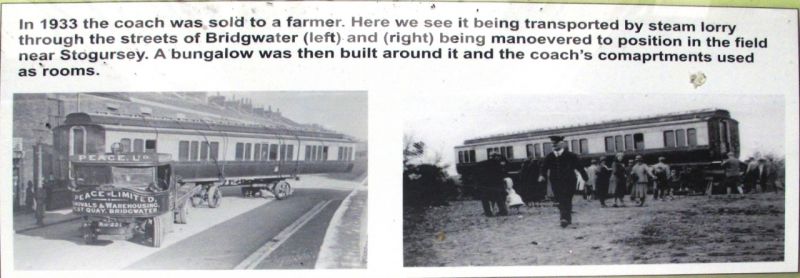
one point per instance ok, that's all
(559, 176)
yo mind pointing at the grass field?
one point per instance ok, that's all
(689, 229)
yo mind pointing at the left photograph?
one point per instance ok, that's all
(190, 180)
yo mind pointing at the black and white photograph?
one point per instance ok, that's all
(190, 180)
(515, 179)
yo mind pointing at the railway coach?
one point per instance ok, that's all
(206, 152)
(693, 142)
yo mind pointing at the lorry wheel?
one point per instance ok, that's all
(157, 231)
(214, 197)
(182, 215)
(281, 190)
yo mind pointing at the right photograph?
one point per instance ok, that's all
(505, 179)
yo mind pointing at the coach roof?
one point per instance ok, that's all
(679, 116)
(162, 122)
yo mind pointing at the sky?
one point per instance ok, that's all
(344, 112)
(444, 121)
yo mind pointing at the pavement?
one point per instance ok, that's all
(213, 239)
(27, 220)
(345, 244)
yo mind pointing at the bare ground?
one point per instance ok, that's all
(686, 230)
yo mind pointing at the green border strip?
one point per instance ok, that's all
(794, 4)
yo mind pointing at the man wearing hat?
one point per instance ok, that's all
(492, 188)
(733, 168)
(560, 166)
(661, 171)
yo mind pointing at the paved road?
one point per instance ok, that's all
(227, 244)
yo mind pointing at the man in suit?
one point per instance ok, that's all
(492, 188)
(559, 166)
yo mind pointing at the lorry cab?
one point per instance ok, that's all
(122, 195)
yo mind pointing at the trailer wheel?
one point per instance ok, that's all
(182, 215)
(214, 197)
(281, 190)
(156, 232)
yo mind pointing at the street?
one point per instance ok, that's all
(243, 233)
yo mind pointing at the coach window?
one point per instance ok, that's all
(194, 150)
(214, 151)
(125, 143)
(282, 152)
(609, 144)
(669, 139)
(575, 147)
(584, 146)
(257, 152)
(247, 149)
(537, 152)
(264, 151)
(273, 152)
(629, 142)
(289, 152)
(204, 150)
(691, 137)
(619, 144)
(150, 146)
(324, 153)
(471, 156)
(528, 151)
(680, 138)
(183, 150)
(308, 152)
(239, 151)
(638, 141)
(138, 145)
(509, 152)
(547, 148)
(460, 156)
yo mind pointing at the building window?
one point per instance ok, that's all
(138, 145)
(610, 144)
(150, 146)
(125, 144)
(247, 149)
(691, 137)
(273, 152)
(204, 151)
(669, 139)
(183, 150)
(638, 141)
(584, 146)
(257, 152)
(547, 148)
(619, 144)
(194, 150)
(214, 151)
(239, 151)
(680, 138)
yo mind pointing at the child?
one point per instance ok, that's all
(513, 200)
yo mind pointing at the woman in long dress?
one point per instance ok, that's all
(603, 176)
(618, 180)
